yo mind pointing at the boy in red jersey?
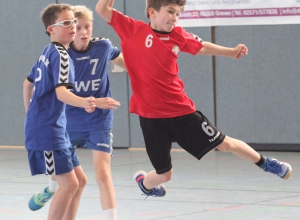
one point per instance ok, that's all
(165, 111)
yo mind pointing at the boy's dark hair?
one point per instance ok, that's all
(50, 14)
(157, 4)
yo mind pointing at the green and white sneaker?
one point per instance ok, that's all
(39, 199)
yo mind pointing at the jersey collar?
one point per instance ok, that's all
(81, 51)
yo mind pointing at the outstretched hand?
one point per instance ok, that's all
(90, 104)
(241, 50)
(107, 103)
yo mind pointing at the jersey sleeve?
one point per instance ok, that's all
(124, 25)
(62, 69)
(30, 76)
(192, 44)
(114, 52)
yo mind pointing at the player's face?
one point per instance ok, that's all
(83, 35)
(166, 18)
(64, 35)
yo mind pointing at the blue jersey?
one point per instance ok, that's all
(45, 123)
(91, 79)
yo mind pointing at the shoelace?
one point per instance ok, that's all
(145, 195)
(273, 166)
(43, 198)
(149, 194)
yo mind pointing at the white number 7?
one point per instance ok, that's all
(95, 61)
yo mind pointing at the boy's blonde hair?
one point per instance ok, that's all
(81, 11)
(50, 14)
(157, 4)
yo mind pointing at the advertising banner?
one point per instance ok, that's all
(199, 13)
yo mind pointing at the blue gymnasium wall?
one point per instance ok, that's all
(257, 97)
(22, 39)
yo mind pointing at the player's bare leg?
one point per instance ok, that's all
(239, 148)
(68, 186)
(243, 150)
(73, 207)
(153, 179)
(104, 180)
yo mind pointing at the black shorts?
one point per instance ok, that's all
(193, 132)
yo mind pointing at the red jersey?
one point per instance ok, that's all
(151, 61)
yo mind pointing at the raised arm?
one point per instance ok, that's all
(213, 49)
(104, 9)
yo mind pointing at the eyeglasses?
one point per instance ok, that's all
(66, 23)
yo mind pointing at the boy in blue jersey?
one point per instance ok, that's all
(90, 56)
(46, 93)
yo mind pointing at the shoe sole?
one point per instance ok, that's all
(289, 173)
(165, 190)
(139, 173)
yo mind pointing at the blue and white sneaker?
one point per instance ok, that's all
(281, 169)
(157, 191)
(39, 199)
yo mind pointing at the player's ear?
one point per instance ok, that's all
(151, 12)
(50, 30)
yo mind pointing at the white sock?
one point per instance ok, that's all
(52, 185)
(110, 214)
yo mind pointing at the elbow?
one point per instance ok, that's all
(59, 97)
(105, 12)
(60, 93)
(97, 9)
(100, 10)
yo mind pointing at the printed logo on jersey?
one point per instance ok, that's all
(49, 162)
(164, 38)
(64, 64)
(196, 37)
(93, 84)
(43, 59)
(176, 49)
(83, 58)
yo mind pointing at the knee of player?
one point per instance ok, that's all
(165, 177)
(102, 176)
(226, 146)
(82, 182)
(71, 187)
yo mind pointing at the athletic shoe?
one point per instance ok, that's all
(281, 169)
(39, 199)
(157, 191)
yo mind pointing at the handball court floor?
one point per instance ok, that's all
(220, 186)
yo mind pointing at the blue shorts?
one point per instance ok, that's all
(100, 140)
(52, 162)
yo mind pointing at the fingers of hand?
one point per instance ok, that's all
(90, 110)
(242, 52)
(92, 101)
